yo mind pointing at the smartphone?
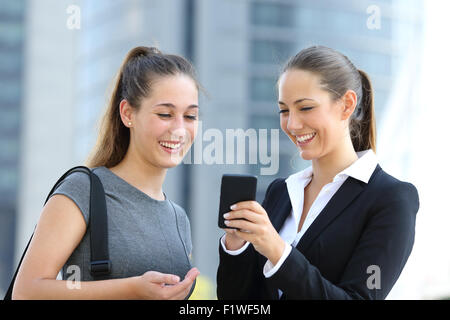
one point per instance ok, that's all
(235, 188)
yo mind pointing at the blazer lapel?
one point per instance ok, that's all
(350, 189)
(281, 209)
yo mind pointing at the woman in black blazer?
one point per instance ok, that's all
(340, 229)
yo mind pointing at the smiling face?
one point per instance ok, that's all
(165, 125)
(309, 116)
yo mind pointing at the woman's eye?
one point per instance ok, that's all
(191, 117)
(306, 108)
(283, 111)
(164, 115)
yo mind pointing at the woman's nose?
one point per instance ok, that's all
(294, 124)
(178, 128)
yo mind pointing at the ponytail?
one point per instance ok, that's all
(141, 67)
(362, 124)
(114, 137)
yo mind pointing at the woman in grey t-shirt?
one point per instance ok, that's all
(148, 127)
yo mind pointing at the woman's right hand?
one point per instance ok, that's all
(154, 285)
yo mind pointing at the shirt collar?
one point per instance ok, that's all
(301, 176)
(361, 169)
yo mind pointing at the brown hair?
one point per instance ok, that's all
(141, 67)
(338, 74)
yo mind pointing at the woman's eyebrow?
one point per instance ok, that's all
(171, 105)
(301, 100)
(296, 101)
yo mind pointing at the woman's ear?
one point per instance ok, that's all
(126, 113)
(350, 100)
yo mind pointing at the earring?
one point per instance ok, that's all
(129, 123)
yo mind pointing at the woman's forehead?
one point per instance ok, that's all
(299, 84)
(173, 92)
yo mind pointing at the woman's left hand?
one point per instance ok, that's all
(256, 228)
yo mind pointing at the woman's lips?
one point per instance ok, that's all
(303, 140)
(171, 146)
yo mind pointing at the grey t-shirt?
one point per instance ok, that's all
(142, 231)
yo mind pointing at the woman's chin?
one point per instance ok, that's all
(172, 162)
(166, 162)
(306, 154)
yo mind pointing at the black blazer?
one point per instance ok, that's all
(363, 225)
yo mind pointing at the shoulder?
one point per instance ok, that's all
(76, 187)
(76, 180)
(76, 184)
(390, 190)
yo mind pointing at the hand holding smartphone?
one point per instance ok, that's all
(235, 188)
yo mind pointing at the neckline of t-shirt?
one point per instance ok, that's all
(133, 188)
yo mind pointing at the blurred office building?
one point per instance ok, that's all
(12, 38)
(73, 50)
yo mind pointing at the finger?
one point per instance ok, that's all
(179, 288)
(183, 294)
(190, 278)
(244, 214)
(163, 278)
(249, 205)
(242, 225)
(172, 291)
(193, 273)
(249, 237)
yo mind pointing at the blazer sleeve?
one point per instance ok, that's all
(376, 262)
(237, 275)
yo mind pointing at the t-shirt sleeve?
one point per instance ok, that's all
(76, 187)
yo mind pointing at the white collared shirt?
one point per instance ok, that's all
(361, 169)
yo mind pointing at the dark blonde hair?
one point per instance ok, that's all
(140, 69)
(337, 75)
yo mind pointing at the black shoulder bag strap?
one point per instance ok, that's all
(100, 263)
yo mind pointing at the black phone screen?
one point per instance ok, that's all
(235, 188)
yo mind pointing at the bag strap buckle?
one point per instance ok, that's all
(100, 267)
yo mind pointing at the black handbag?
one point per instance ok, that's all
(100, 264)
